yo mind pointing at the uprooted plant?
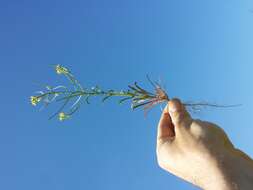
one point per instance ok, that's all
(77, 95)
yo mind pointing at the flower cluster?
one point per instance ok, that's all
(62, 116)
(61, 70)
(35, 100)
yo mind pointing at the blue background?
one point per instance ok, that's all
(201, 50)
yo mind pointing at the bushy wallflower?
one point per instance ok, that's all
(62, 116)
(61, 70)
(34, 100)
(138, 96)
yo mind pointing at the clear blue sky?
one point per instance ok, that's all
(202, 50)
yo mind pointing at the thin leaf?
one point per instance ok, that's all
(139, 105)
(134, 89)
(124, 99)
(77, 101)
(142, 90)
(105, 98)
(151, 82)
(61, 108)
(87, 99)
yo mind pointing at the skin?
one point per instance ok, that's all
(200, 152)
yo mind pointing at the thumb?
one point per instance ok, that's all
(179, 116)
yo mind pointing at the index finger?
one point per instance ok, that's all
(165, 129)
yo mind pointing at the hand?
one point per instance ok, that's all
(200, 152)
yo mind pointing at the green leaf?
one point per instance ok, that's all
(139, 105)
(61, 108)
(133, 88)
(124, 99)
(87, 99)
(105, 98)
(142, 90)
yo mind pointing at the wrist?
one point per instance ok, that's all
(240, 170)
(234, 171)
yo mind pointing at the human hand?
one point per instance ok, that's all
(200, 152)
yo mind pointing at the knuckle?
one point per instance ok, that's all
(184, 119)
(198, 130)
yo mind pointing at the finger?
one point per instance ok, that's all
(165, 127)
(179, 116)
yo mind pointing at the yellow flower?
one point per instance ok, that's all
(62, 116)
(34, 100)
(61, 70)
